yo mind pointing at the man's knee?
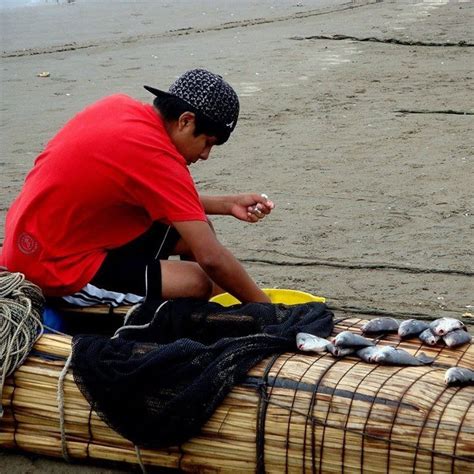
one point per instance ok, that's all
(184, 280)
(202, 286)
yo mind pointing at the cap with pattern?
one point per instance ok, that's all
(208, 93)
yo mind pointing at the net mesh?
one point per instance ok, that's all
(163, 375)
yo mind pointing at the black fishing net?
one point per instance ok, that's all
(164, 373)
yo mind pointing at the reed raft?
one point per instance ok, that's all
(295, 413)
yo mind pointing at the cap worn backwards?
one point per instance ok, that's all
(208, 93)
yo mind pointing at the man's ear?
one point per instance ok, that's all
(186, 119)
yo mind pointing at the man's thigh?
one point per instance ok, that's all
(130, 268)
(141, 267)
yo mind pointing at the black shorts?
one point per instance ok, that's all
(128, 271)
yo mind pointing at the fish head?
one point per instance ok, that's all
(372, 357)
(376, 356)
(369, 353)
(301, 338)
(442, 326)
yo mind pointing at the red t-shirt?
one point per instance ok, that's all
(100, 182)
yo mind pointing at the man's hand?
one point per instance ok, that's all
(246, 207)
(251, 207)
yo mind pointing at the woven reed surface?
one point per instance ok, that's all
(296, 413)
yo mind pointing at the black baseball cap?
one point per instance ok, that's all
(208, 93)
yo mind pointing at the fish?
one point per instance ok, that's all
(349, 339)
(412, 328)
(389, 355)
(456, 338)
(380, 326)
(428, 337)
(442, 326)
(367, 354)
(340, 351)
(402, 357)
(382, 353)
(311, 343)
(459, 376)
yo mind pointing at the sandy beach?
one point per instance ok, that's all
(356, 119)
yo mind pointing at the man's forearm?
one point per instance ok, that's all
(218, 262)
(217, 205)
(230, 275)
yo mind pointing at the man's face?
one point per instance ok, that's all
(192, 147)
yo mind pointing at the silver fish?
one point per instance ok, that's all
(368, 353)
(442, 326)
(457, 338)
(382, 353)
(402, 357)
(459, 376)
(380, 326)
(412, 328)
(428, 337)
(349, 339)
(311, 343)
(340, 351)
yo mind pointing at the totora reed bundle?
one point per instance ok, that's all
(295, 412)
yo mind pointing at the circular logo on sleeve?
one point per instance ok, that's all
(27, 244)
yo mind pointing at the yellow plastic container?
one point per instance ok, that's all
(277, 295)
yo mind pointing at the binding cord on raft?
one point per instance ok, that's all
(21, 307)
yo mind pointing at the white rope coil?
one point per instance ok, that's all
(21, 307)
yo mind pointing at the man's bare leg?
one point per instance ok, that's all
(185, 280)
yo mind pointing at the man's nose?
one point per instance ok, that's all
(205, 153)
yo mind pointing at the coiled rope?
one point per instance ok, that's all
(21, 308)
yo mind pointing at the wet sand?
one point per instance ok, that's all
(365, 145)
